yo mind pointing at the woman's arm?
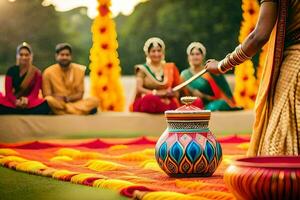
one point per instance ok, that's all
(141, 90)
(177, 81)
(255, 40)
(34, 93)
(201, 95)
(9, 89)
(263, 29)
(139, 86)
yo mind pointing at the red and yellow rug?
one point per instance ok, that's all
(125, 165)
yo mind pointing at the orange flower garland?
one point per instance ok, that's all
(246, 83)
(105, 64)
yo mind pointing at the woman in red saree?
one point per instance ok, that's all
(277, 122)
(22, 85)
(155, 79)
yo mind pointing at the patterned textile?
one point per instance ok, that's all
(282, 135)
(125, 165)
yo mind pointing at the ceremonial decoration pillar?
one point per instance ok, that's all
(105, 67)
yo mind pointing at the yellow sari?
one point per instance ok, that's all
(277, 123)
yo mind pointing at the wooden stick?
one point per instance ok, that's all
(185, 83)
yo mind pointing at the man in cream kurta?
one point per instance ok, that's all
(63, 85)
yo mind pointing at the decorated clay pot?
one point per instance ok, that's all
(187, 148)
(264, 178)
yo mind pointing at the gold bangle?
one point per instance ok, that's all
(233, 60)
(228, 64)
(244, 53)
(220, 65)
(239, 51)
(237, 57)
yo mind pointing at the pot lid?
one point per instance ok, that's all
(188, 111)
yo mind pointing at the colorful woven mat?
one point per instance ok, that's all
(127, 165)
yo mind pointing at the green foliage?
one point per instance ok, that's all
(76, 26)
(24, 20)
(43, 28)
(214, 23)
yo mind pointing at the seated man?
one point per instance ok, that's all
(63, 85)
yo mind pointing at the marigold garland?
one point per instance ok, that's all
(105, 64)
(247, 81)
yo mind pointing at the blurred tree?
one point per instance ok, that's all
(214, 23)
(43, 28)
(27, 20)
(76, 25)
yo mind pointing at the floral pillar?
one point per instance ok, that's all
(105, 64)
(246, 82)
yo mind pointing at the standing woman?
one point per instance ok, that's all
(277, 122)
(23, 83)
(155, 80)
(213, 91)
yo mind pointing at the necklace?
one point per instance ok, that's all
(23, 71)
(193, 71)
(157, 71)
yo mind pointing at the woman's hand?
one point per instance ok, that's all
(22, 102)
(164, 93)
(197, 93)
(212, 66)
(161, 93)
(170, 92)
(202, 95)
(18, 103)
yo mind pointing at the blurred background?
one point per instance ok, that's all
(44, 23)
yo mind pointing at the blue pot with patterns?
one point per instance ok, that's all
(187, 148)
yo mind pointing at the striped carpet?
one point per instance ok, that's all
(125, 165)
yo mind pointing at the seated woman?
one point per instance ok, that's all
(22, 85)
(213, 91)
(155, 79)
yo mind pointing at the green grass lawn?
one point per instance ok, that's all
(18, 186)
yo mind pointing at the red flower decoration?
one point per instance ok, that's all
(252, 97)
(109, 65)
(243, 93)
(104, 46)
(104, 10)
(104, 88)
(251, 11)
(103, 29)
(111, 107)
(245, 78)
